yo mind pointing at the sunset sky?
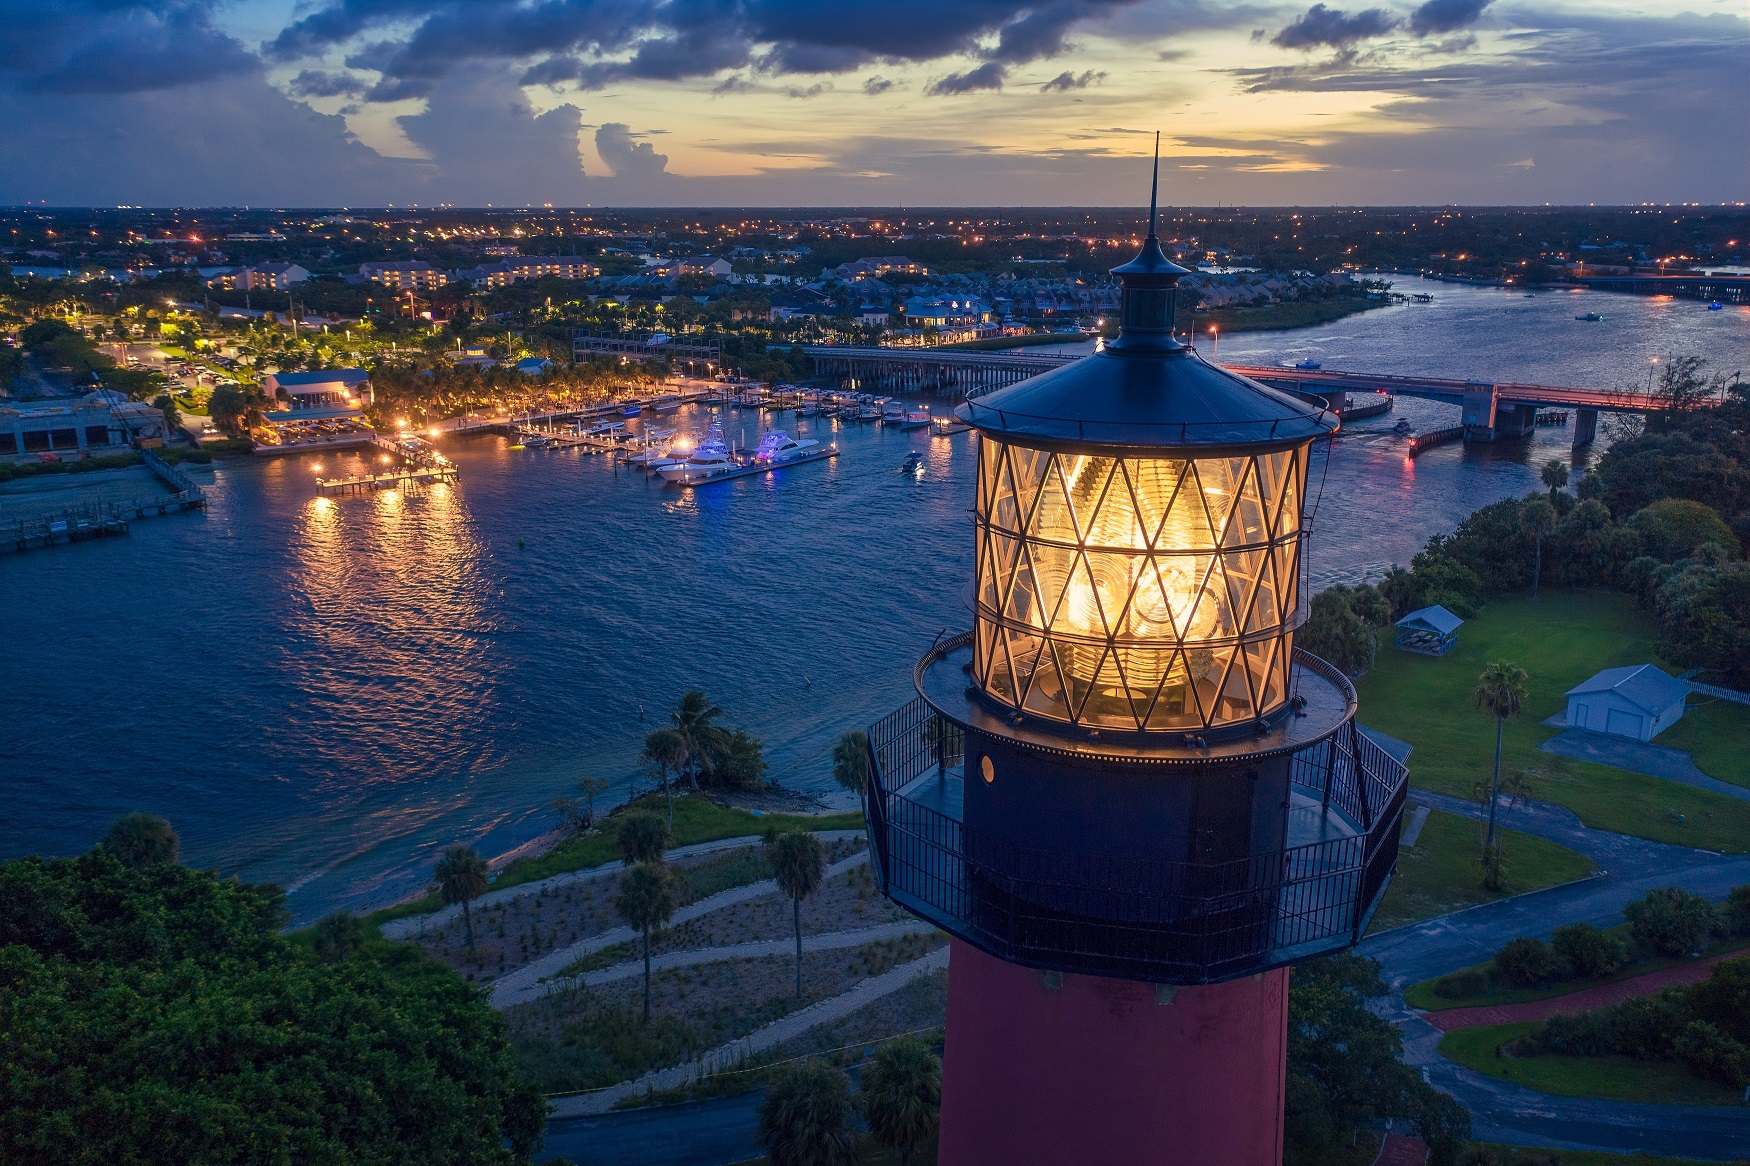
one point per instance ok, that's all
(877, 102)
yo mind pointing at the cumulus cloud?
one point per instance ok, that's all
(1065, 81)
(1320, 25)
(313, 83)
(989, 75)
(626, 157)
(94, 46)
(1439, 16)
(876, 86)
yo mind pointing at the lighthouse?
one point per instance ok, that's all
(1125, 794)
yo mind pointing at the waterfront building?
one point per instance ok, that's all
(100, 422)
(1638, 701)
(332, 388)
(1125, 794)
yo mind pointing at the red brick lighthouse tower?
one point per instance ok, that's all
(1126, 794)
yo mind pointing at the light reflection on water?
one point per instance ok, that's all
(326, 692)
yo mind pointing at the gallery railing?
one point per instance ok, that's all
(1135, 917)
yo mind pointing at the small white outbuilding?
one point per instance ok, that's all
(1637, 701)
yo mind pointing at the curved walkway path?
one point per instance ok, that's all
(866, 992)
(1585, 1000)
(758, 949)
(529, 982)
(1504, 1112)
(416, 925)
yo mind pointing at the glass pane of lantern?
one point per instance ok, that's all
(1154, 483)
(1108, 703)
(1247, 527)
(1005, 509)
(1051, 517)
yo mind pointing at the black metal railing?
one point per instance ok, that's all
(1141, 918)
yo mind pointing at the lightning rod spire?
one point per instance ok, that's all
(1154, 187)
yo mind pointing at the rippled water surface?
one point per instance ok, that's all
(325, 693)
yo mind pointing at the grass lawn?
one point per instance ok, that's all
(1422, 995)
(1614, 1078)
(696, 820)
(1523, 1156)
(1442, 873)
(1560, 639)
(1713, 733)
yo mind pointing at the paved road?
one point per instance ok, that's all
(698, 1133)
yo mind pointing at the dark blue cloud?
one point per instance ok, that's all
(989, 75)
(1438, 16)
(1065, 81)
(116, 47)
(1320, 25)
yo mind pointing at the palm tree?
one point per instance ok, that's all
(591, 788)
(646, 902)
(1501, 690)
(665, 750)
(850, 760)
(902, 1096)
(139, 838)
(1537, 517)
(337, 936)
(461, 877)
(797, 860)
(805, 1118)
(693, 719)
(642, 837)
(1555, 475)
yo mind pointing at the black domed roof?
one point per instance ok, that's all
(1144, 391)
(1146, 400)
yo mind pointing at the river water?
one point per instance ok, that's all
(325, 693)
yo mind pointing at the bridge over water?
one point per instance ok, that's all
(1490, 409)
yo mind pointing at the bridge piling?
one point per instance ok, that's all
(1478, 416)
(1585, 427)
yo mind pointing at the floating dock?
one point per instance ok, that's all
(747, 471)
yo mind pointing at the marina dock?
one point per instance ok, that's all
(747, 471)
(92, 520)
(419, 466)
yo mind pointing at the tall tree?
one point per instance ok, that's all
(1555, 475)
(850, 760)
(665, 750)
(797, 859)
(805, 1118)
(591, 788)
(138, 838)
(461, 878)
(902, 1096)
(1501, 690)
(642, 837)
(694, 719)
(646, 902)
(338, 936)
(1537, 517)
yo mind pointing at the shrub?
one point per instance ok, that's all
(1525, 961)
(1584, 1034)
(1587, 951)
(1709, 1053)
(1647, 1026)
(1724, 999)
(1671, 921)
(1737, 911)
(1672, 528)
(1457, 986)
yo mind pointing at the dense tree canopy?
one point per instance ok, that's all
(156, 1014)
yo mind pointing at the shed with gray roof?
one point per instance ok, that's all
(1637, 701)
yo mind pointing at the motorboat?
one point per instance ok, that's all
(536, 441)
(605, 429)
(1716, 306)
(1403, 426)
(666, 407)
(778, 448)
(916, 419)
(869, 412)
(711, 460)
(1308, 365)
(1590, 318)
(631, 410)
(893, 413)
(913, 463)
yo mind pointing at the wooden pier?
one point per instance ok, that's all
(419, 466)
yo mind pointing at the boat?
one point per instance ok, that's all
(913, 463)
(711, 460)
(1590, 318)
(778, 448)
(1308, 365)
(892, 413)
(631, 410)
(869, 412)
(1403, 426)
(808, 411)
(536, 441)
(916, 419)
(605, 429)
(666, 406)
(1715, 306)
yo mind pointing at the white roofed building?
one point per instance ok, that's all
(1637, 701)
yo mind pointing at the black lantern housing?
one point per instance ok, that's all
(1126, 768)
